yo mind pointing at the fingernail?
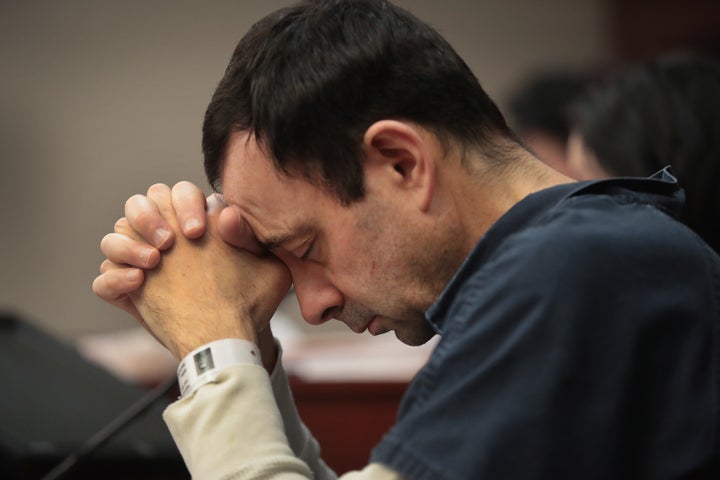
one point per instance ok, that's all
(192, 224)
(160, 236)
(215, 203)
(132, 275)
(145, 255)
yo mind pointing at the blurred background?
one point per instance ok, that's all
(99, 99)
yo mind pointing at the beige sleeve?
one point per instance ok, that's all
(232, 429)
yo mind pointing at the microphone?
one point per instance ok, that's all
(110, 430)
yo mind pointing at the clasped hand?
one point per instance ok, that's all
(189, 269)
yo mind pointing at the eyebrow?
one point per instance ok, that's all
(275, 242)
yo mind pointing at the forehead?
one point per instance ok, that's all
(273, 203)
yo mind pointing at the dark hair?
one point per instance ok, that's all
(543, 102)
(664, 112)
(308, 80)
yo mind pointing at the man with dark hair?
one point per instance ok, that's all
(540, 111)
(360, 159)
(665, 111)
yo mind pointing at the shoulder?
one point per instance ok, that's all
(598, 237)
(589, 257)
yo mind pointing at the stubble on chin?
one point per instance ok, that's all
(419, 334)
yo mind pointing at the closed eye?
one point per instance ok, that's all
(308, 252)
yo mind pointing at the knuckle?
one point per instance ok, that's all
(113, 285)
(132, 201)
(102, 286)
(157, 189)
(185, 185)
(108, 286)
(144, 218)
(106, 243)
(121, 224)
(96, 288)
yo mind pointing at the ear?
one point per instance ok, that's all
(402, 154)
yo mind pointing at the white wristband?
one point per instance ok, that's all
(203, 364)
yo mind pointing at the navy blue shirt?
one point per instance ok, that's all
(579, 341)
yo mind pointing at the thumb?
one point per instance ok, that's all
(236, 231)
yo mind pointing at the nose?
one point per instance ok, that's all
(319, 299)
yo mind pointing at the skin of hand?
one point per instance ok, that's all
(198, 289)
(127, 247)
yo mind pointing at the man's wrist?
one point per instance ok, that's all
(202, 365)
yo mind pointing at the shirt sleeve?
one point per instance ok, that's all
(244, 425)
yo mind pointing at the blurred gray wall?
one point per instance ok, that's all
(100, 98)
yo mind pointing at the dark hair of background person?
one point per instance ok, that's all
(540, 113)
(663, 112)
(308, 80)
(543, 101)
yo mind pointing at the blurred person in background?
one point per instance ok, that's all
(540, 113)
(662, 112)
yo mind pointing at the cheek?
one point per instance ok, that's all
(355, 272)
(362, 259)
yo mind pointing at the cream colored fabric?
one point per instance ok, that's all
(232, 429)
